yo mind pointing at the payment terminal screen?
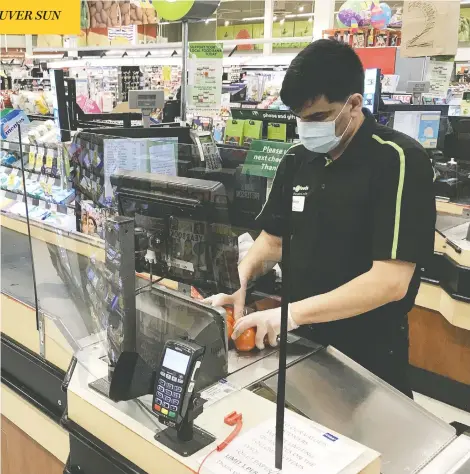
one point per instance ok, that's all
(176, 361)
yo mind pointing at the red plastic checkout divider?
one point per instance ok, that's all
(378, 58)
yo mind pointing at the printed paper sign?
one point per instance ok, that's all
(205, 78)
(264, 157)
(438, 74)
(430, 28)
(307, 449)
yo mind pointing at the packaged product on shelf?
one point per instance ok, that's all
(5, 100)
(465, 104)
(277, 131)
(7, 158)
(234, 132)
(252, 130)
(202, 124)
(218, 131)
(92, 219)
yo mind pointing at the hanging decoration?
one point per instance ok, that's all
(387, 12)
(378, 19)
(172, 10)
(354, 14)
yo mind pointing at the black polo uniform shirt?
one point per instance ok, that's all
(375, 202)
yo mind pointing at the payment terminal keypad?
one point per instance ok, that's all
(168, 394)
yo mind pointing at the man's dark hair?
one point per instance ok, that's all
(325, 67)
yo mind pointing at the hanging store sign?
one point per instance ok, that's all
(56, 17)
(172, 10)
(205, 70)
(264, 157)
(430, 28)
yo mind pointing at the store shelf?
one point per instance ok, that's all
(27, 147)
(13, 195)
(279, 116)
(29, 170)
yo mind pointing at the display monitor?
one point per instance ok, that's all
(421, 125)
(187, 221)
(372, 89)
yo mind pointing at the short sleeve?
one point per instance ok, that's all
(404, 206)
(270, 218)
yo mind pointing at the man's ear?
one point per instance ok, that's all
(356, 103)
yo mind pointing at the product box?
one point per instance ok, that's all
(202, 124)
(277, 131)
(252, 130)
(92, 221)
(234, 132)
(218, 131)
(465, 104)
(10, 119)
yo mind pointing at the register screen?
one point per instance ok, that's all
(176, 361)
(420, 125)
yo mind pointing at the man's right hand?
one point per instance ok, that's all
(237, 299)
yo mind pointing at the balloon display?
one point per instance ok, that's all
(387, 12)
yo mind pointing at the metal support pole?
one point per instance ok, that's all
(285, 292)
(268, 26)
(184, 70)
(39, 325)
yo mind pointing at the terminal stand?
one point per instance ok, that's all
(187, 438)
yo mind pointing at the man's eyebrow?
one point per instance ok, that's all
(318, 115)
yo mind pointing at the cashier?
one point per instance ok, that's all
(362, 223)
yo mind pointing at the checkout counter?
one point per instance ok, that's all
(53, 354)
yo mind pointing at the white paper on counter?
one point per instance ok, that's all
(307, 450)
(216, 392)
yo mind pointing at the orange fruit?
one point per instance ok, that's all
(229, 330)
(246, 342)
(229, 317)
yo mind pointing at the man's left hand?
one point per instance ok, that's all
(267, 323)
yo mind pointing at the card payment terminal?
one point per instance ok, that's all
(175, 380)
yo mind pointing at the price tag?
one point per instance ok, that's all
(32, 158)
(41, 151)
(19, 198)
(29, 201)
(14, 172)
(5, 145)
(53, 207)
(49, 160)
(42, 204)
(11, 180)
(70, 211)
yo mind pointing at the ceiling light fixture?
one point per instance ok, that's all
(282, 21)
(226, 23)
(300, 15)
(301, 8)
(310, 20)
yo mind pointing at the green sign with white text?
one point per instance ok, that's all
(264, 157)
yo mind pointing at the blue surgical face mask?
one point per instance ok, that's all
(320, 137)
